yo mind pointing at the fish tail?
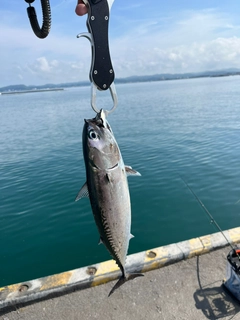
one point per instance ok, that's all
(124, 278)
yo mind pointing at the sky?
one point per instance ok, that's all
(145, 37)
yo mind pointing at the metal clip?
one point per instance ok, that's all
(113, 94)
(101, 72)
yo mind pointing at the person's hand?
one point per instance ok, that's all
(81, 8)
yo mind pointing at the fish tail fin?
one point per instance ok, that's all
(123, 279)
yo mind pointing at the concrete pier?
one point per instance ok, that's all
(30, 91)
(184, 282)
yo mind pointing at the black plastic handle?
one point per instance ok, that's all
(101, 73)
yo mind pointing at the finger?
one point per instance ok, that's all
(81, 8)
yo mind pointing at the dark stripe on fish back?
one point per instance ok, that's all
(108, 234)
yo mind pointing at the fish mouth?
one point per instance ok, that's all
(115, 166)
(99, 121)
(96, 121)
(98, 168)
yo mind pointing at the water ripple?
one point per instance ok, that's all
(189, 127)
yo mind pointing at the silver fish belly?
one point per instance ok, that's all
(107, 188)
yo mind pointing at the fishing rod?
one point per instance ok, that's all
(232, 283)
(210, 216)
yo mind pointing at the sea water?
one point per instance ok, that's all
(187, 127)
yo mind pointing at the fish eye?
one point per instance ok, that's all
(93, 135)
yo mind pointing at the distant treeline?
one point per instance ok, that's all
(156, 77)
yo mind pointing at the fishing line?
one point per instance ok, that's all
(209, 215)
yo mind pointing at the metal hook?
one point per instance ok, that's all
(113, 95)
(86, 35)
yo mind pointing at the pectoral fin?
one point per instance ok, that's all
(131, 172)
(83, 193)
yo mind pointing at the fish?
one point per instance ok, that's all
(107, 188)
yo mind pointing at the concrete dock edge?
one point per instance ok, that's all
(104, 272)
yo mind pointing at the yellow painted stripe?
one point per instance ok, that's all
(106, 272)
(155, 258)
(195, 247)
(56, 280)
(13, 288)
(9, 290)
(206, 242)
(234, 234)
(106, 267)
(103, 279)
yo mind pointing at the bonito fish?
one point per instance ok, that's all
(107, 188)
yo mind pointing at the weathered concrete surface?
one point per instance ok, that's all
(106, 271)
(187, 290)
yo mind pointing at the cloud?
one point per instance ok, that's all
(220, 53)
(44, 66)
(54, 59)
(44, 70)
(195, 41)
(184, 42)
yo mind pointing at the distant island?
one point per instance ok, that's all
(157, 77)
